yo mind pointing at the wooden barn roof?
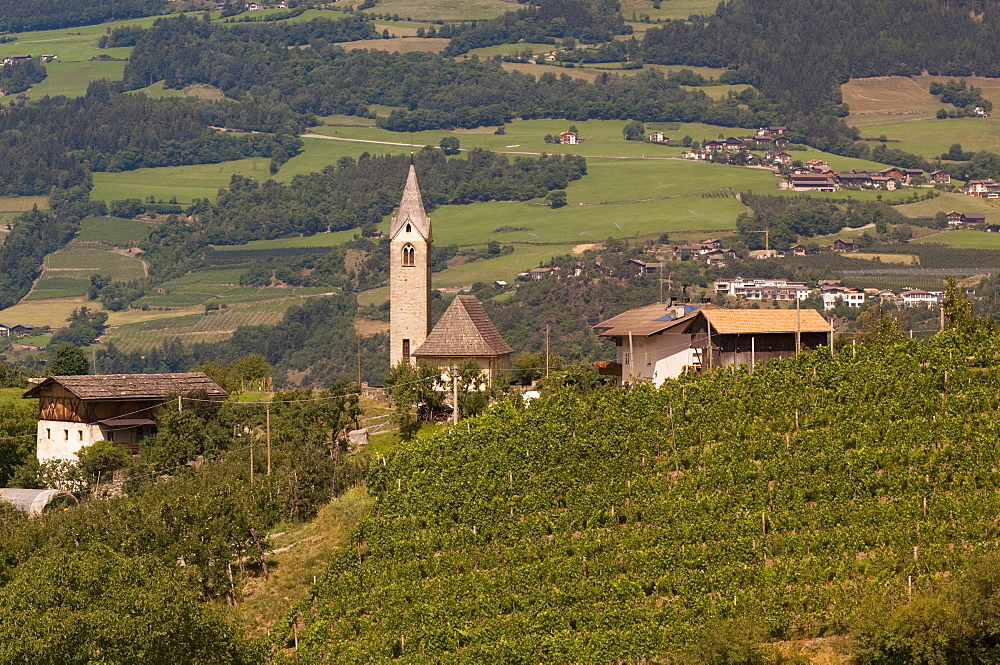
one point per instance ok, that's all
(759, 321)
(103, 387)
(644, 321)
(653, 319)
(464, 330)
(411, 208)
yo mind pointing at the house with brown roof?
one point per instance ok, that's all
(77, 411)
(659, 342)
(843, 245)
(940, 177)
(465, 332)
(810, 182)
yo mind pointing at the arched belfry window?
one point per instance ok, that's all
(409, 255)
(408, 228)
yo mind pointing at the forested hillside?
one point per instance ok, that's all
(798, 55)
(813, 496)
(55, 141)
(18, 16)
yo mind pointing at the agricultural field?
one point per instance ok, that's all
(16, 204)
(66, 273)
(905, 259)
(73, 70)
(192, 328)
(602, 138)
(219, 286)
(902, 109)
(512, 49)
(949, 201)
(318, 240)
(318, 153)
(400, 44)
(931, 138)
(185, 183)
(113, 231)
(447, 10)
(669, 9)
(965, 239)
(157, 91)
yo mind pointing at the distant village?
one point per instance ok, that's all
(816, 175)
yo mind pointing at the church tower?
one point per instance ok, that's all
(409, 274)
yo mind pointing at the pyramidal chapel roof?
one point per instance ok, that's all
(464, 330)
(411, 208)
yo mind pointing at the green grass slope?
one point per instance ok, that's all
(611, 527)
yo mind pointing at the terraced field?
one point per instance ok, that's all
(192, 328)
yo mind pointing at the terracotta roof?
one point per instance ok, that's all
(464, 330)
(411, 208)
(644, 321)
(130, 386)
(748, 321)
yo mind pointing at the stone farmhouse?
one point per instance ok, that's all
(662, 341)
(77, 411)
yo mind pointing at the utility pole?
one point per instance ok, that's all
(268, 412)
(798, 324)
(180, 408)
(547, 325)
(631, 359)
(454, 395)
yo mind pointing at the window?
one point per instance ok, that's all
(409, 255)
(628, 358)
(66, 434)
(649, 360)
(408, 228)
(406, 349)
(80, 433)
(48, 433)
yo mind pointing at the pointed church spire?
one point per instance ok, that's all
(411, 209)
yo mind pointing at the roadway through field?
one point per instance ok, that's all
(506, 152)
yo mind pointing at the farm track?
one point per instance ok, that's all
(506, 152)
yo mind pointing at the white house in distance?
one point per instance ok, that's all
(764, 289)
(659, 342)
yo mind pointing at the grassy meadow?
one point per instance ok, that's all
(186, 183)
(931, 138)
(66, 273)
(448, 10)
(903, 109)
(400, 44)
(16, 204)
(669, 9)
(951, 201)
(113, 231)
(965, 239)
(73, 70)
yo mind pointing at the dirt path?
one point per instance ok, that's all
(507, 152)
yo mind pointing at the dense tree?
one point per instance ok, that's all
(67, 360)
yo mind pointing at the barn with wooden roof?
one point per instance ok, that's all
(659, 342)
(76, 411)
(466, 332)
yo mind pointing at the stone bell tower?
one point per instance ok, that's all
(409, 274)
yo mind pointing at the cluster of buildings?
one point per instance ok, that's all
(983, 189)
(19, 330)
(831, 291)
(11, 59)
(817, 176)
(254, 6)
